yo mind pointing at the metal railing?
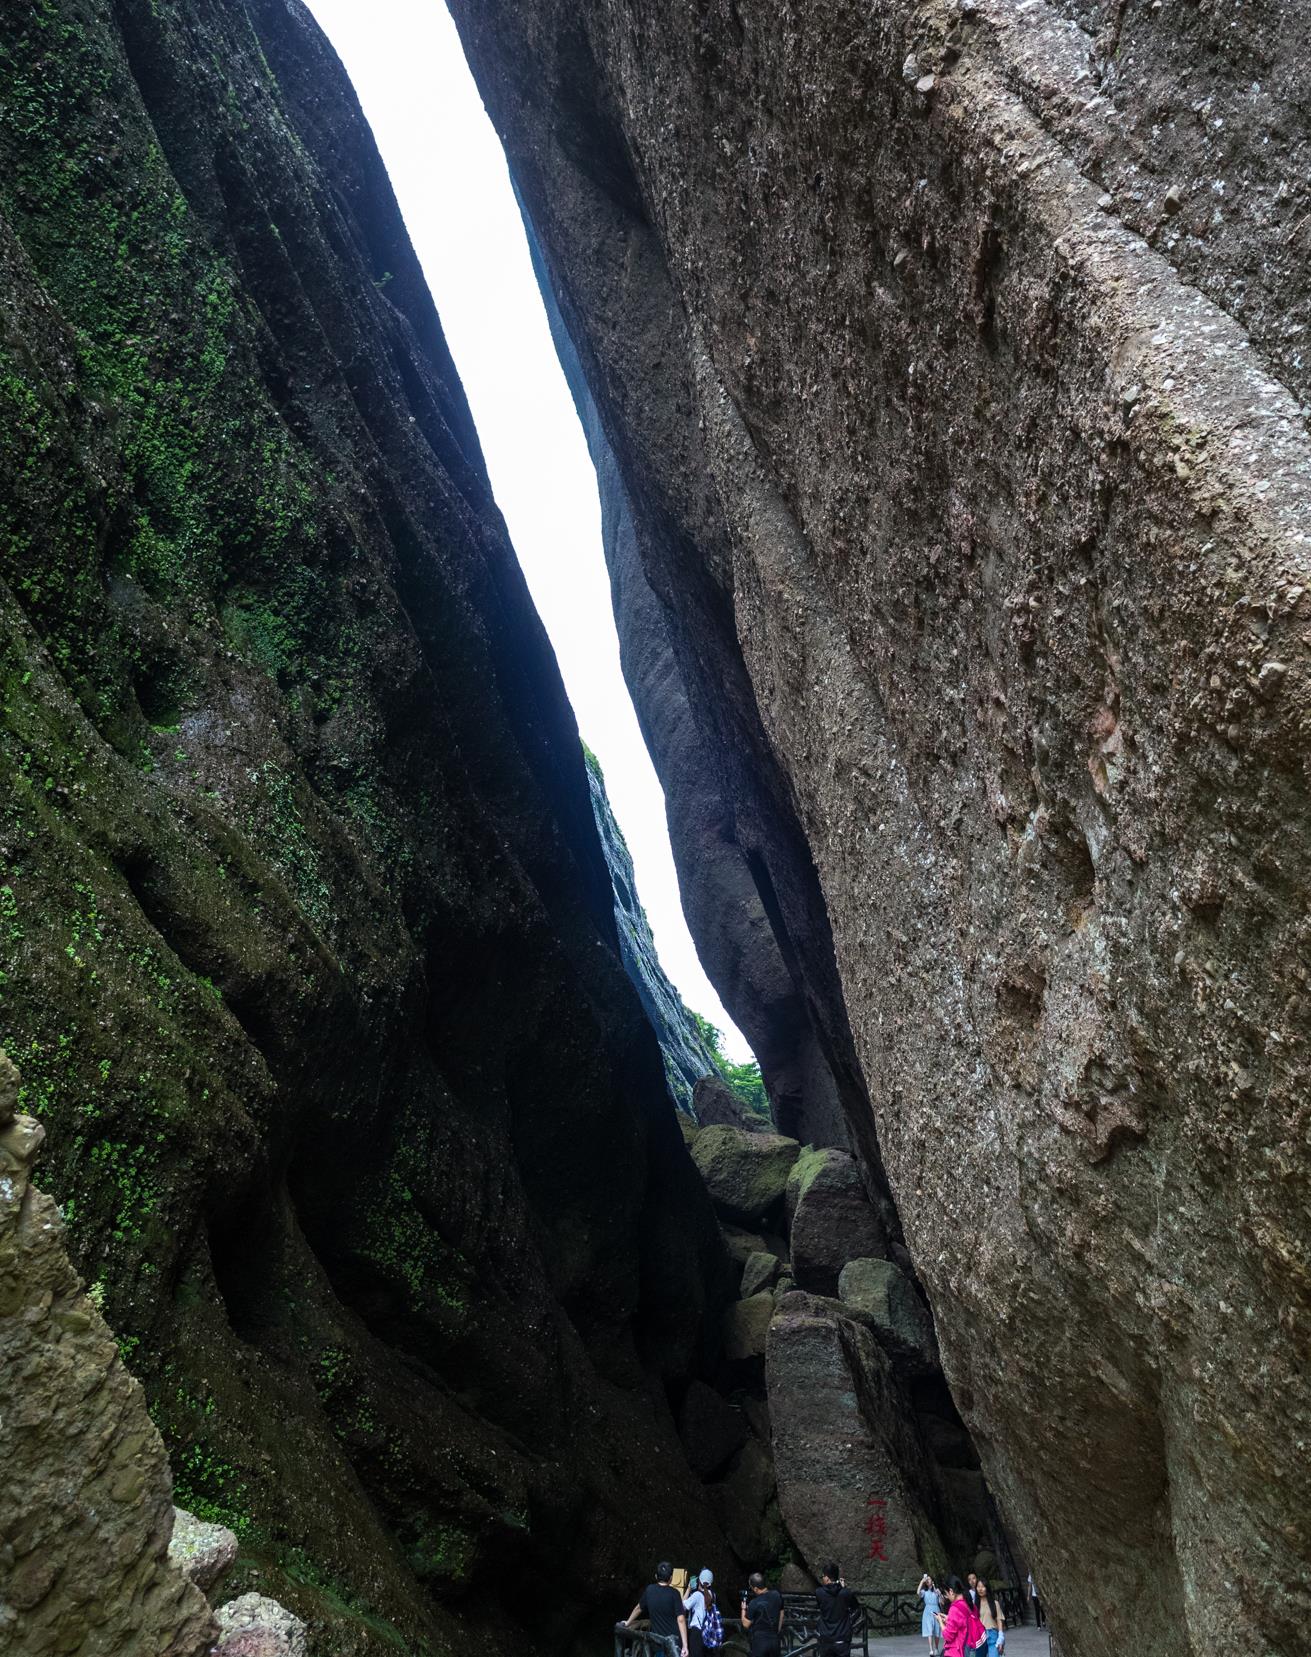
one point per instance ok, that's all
(880, 1612)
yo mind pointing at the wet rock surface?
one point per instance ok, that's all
(959, 432)
(86, 1510)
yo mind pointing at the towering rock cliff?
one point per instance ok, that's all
(307, 948)
(950, 358)
(688, 1056)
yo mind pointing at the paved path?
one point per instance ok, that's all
(1020, 1642)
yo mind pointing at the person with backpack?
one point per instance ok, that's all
(962, 1632)
(705, 1626)
(662, 1605)
(837, 1613)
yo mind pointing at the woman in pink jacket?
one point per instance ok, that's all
(961, 1629)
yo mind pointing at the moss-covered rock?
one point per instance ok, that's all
(831, 1219)
(746, 1328)
(880, 1294)
(745, 1173)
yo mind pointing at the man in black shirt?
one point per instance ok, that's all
(762, 1617)
(837, 1613)
(662, 1605)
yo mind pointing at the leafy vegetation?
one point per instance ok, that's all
(744, 1079)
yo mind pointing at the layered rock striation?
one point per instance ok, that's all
(307, 942)
(949, 357)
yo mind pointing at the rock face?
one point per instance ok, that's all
(689, 1062)
(307, 940)
(715, 1104)
(948, 359)
(85, 1517)
(711, 1429)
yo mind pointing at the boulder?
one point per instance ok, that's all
(85, 1507)
(254, 1626)
(711, 1429)
(745, 1173)
(851, 1470)
(741, 1245)
(714, 1104)
(201, 1551)
(746, 1504)
(746, 1328)
(795, 1579)
(759, 1273)
(831, 1219)
(881, 1295)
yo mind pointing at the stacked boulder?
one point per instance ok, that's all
(832, 1434)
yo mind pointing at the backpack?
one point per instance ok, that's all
(976, 1635)
(712, 1626)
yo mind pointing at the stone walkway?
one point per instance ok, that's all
(1020, 1642)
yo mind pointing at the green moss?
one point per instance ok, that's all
(804, 1170)
(211, 1488)
(274, 821)
(400, 1242)
(440, 1550)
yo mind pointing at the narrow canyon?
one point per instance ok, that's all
(389, 1260)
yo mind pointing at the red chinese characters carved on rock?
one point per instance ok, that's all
(876, 1527)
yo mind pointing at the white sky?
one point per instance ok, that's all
(450, 177)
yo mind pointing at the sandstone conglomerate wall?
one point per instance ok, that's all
(951, 358)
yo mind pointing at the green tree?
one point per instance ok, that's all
(744, 1079)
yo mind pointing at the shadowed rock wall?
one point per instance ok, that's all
(950, 356)
(686, 1055)
(307, 947)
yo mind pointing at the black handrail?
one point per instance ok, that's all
(891, 1611)
(880, 1611)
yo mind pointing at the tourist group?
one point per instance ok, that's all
(960, 1619)
(690, 1625)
